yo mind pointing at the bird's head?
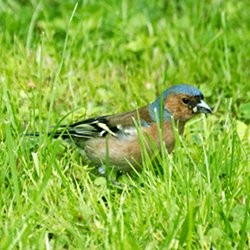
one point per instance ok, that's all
(181, 101)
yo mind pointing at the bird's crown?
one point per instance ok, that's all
(182, 89)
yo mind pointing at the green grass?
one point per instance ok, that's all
(103, 57)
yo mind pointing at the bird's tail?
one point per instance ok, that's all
(32, 134)
(52, 134)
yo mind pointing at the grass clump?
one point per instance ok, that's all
(107, 57)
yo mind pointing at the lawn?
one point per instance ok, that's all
(73, 60)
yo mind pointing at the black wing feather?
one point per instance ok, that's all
(93, 127)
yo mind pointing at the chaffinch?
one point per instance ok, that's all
(117, 135)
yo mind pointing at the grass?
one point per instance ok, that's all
(103, 57)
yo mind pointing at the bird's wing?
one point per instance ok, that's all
(94, 127)
(114, 125)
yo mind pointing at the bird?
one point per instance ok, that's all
(117, 136)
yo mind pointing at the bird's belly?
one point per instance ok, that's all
(123, 154)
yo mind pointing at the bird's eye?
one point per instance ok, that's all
(185, 100)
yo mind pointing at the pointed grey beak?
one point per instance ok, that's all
(202, 107)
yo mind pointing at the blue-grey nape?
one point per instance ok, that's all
(155, 110)
(155, 107)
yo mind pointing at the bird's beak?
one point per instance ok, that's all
(202, 107)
